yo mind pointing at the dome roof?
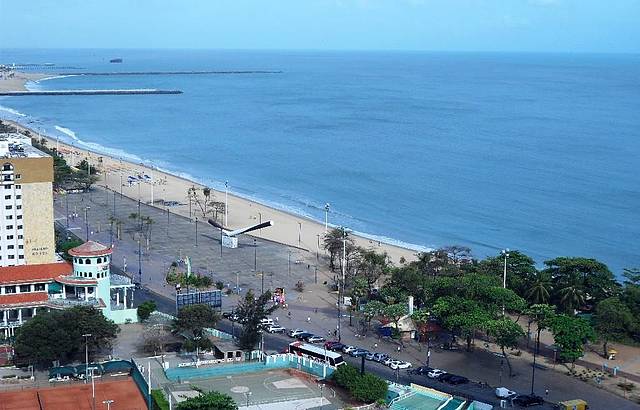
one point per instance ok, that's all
(90, 249)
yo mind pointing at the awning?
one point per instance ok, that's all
(62, 371)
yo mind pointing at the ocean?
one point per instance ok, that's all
(535, 152)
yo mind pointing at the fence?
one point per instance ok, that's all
(142, 384)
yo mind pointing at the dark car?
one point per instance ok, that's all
(455, 380)
(528, 400)
(359, 352)
(444, 377)
(335, 346)
(422, 370)
(304, 336)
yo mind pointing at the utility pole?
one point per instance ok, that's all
(86, 356)
(139, 245)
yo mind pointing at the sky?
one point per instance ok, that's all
(434, 25)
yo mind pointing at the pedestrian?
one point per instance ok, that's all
(276, 319)
(335, 333)
(398, 349)
(546, 392)
(309, 319)
(315, 310)
(289, 314)
(375, 345)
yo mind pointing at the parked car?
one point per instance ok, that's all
(387, 360)
(304, 335)
(380, 357)
(455, 379)
(266, 322)
(276, 329)
(358, 352)
(422, 370)
(435, 373)
(334, 346)
(296, 332)
(369, 356)
(399, 365)
(504, 393)
(315, 339)
(348, 349)
(528, 400)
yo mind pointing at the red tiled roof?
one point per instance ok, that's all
(23, 299)
(13, 275)
(90, 248)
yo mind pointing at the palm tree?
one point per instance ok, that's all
(333, 243)
(571, 297)
(539, 290)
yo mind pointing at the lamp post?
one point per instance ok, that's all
(533, 368)
(326, 217)
(226, 203)
(341, 284)
(108, 403)
(196, 231)
(255, 256)
(318, 248)
(139, 244)
(505, 254)
(86, 220)
(66, 195)
(93, 389)
(289, 264)
(299, 234)
(86, 356)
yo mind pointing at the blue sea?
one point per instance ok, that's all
(536, 152)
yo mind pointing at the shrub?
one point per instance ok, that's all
(300, 286)
(159, 401)
(145, 309)
(366, 388)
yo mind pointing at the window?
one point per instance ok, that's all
(18, 206)
(9, 217)
(12, 256)
(9, 289)
(18, 186)
(19, 226)
(87, 261)
(18, 176)
(10, 247)
(9, 237)
(19, 217)
(99, 260)
(7, 167)
(7, 187)
(8, 207)
(39, 287)
(18, 196)
(7, 177)
(19, 237)
(25, 288)
(9, 226)
(7, 197)
(20, 256)
(80, 262)
(20, 246)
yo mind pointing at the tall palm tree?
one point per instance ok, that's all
(539, 290)
(572, 296)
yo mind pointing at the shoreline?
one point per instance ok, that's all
(289, 228)
(19, 81)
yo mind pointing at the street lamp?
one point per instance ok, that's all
(299, 234)
(226, 203)
(505, 254)
(326, 217)
(341, 284)
(108, 403)
(86, 220)
(86, 356)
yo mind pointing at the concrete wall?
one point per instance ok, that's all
(121, 316)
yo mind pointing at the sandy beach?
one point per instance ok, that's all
(18, 81)
(162, 187)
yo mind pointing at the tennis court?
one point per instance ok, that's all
(417, 401)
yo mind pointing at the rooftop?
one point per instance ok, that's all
(26, 299)
(90, 248)
(12, 275)
(14, 145)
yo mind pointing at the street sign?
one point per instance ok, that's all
(212, 298)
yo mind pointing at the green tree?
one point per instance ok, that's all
(506, 332)
(394, 313)
(191, 322)
(570, 334)
(578, 280)
(462, 316)
(613, 321)
(145, 309)
(541, 315)
(333, 243)
(251, 310)
(539, 288)
(521, 270)
(57, 335)
(371, 310)
(208, 401)
(366, 388)
(372, 266)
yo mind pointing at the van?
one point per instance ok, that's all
(573, 405)
(266, 322)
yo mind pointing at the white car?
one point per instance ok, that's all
(504, 393)
(435, 373)
(315, 339)
(266, 322)
(296, 332)
(399, 365)
(348, 349)
(388, 361)
(276, 329)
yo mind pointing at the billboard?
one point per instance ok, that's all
(212, 298)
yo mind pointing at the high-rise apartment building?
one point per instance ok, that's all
(26, 203)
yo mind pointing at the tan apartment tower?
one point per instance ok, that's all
(26, 203)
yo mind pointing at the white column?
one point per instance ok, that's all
(125, 297)
(5, 317)
(117, 297)
(132, 292)
(86, 293)
(20, 316)
(64, 291)
(34, 311)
